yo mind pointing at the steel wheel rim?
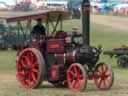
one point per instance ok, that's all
(28, 69)
(104, 76)
(76, 77)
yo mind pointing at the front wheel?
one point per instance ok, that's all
(104, 76)
(77, 77)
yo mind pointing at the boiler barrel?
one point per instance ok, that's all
(82, 55)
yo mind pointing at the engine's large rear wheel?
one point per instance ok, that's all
(77, 77)
(104, 76)
(30, 68)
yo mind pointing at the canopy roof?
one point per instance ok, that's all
(35, 15)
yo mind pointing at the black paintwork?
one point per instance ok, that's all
(86, 22)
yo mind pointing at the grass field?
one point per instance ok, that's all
(102, 32)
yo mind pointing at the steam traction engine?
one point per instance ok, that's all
(66, 61)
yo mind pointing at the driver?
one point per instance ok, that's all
(38, 30)
(39, 34)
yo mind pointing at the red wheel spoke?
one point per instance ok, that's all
(99, 71)
(107, 81)
(32, 58)
(69, 79)
(22, 63)
(98, 76)
(80, 77)
(78, 83)
(35, 64)
(31, 55)
(22, 74)
(26, 58)
(28, 61)
(78, 72)
(74, 84)
(75, 70)
(33, 76)
(108, 75)
(32, 64)
(100, 83)
(35, 70)
(104, 83)
(72, 73)
(28, 82)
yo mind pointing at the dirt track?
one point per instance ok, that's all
(9, 86)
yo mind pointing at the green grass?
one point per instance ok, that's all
(7, 60)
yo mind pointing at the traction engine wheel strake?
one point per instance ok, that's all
(77, 77)
(104, 76)
(30, 68)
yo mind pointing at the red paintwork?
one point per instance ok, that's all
(67, 58)
(61, 35)
(70, 57)
(56, 72)
(60, 59)
(90, 76)
(39, 43)
(123, 47)
(55, 46)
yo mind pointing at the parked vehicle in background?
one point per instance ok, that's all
(9, 39)
(7, 36)
(22, 6)
(121, 55)
(55, 4)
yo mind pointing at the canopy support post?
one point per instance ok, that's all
(61, 22)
